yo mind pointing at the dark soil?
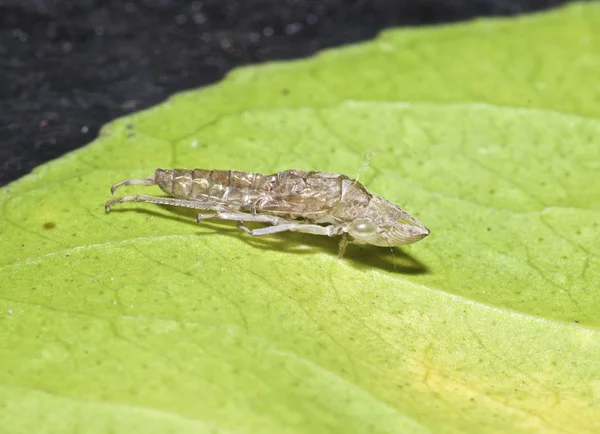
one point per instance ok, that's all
(69, 66)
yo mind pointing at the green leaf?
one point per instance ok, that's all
(143, 321)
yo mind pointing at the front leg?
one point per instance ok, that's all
(343, 244)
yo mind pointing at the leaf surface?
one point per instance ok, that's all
(142, 320)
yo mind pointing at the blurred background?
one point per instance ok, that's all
(69, 66)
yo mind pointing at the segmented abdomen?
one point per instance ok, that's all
(290, 194)
(235, 188)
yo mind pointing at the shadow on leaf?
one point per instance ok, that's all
(360, 256)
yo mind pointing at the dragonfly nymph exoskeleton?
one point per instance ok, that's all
(317, 203)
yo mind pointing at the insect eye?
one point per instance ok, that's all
(363, 227)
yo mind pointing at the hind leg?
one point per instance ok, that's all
(195, 204)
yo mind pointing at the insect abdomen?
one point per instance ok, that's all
(229, 186)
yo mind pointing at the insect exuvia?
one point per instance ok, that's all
(317, 203)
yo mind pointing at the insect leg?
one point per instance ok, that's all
(329, 231)
(145, 181)
(164, 201)
(242, 216)
(343, 243)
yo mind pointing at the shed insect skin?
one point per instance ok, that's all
(317, 203)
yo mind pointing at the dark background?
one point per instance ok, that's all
(69, 66)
